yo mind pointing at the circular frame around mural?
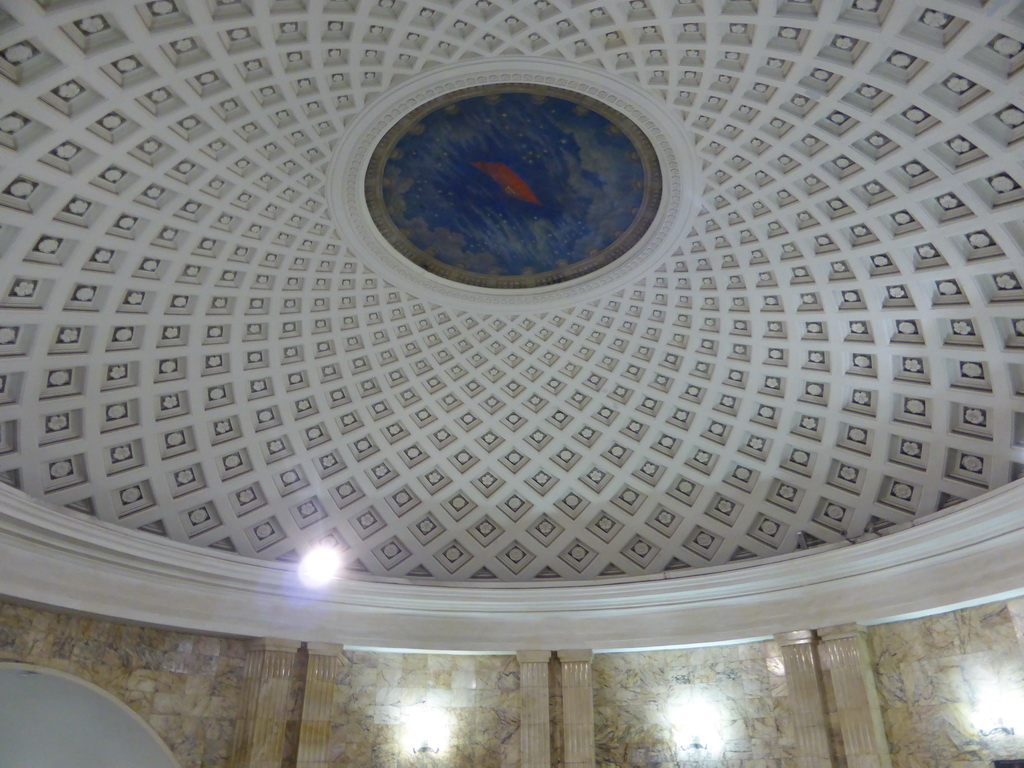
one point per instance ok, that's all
(657, 231)
(513, 186)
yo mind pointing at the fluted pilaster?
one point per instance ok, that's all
(806, 694)
(577, 708)
(845, 656)
(317, 705)
(260, 728)
(534, 709)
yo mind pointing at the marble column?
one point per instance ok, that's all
(806, 694)
(844, 652)
(260, 728)
(534, 711)
(577, 709)
(318, 704)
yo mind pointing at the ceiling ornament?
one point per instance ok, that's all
(454, 186)
(204, 337)
(675, 202)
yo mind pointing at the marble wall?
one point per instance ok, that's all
(185, 686)
(639, 696)
(478, 696)
(939, 676)
(188, 688)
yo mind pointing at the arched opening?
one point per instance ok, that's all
(52, 718)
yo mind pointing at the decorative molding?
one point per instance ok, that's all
(74, 562)
(679, 169)
(189, 347)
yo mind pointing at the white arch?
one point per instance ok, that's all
(50, 717)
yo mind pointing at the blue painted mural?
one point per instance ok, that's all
(513, 189)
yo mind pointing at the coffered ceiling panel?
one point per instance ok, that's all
(189, 345)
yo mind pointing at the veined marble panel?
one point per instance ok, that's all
(185, 686)
(933, 674)
(478, 696)
(636, 693)
(938, 677)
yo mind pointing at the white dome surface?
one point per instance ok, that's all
(192, 346)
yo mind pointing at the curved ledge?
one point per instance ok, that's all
(73, 562)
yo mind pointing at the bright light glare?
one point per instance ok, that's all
(319, 566)
(426, 728)
(697, 722)
(994, 709)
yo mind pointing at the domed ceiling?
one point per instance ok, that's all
(190, 345)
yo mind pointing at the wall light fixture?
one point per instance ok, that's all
(426, 729)
(696, 725)
(996, 712)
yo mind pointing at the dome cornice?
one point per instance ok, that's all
(78, 564)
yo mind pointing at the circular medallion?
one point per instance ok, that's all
(513, 186)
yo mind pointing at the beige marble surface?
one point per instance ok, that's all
(934, 673)
(479, 696)
(636, 692)
(186, 686)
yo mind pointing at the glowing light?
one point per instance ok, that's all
(319, 566)
(426, 729)
(697, 724)
(997, 712)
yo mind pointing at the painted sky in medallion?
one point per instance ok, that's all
(513, 189)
